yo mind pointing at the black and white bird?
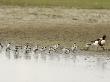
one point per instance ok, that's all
(100, 42)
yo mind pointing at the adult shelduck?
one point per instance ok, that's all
(102, 41)
(99, 42)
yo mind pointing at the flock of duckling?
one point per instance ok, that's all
(27, 48)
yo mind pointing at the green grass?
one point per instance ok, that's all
(94, 4)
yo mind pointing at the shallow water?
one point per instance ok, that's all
(77, 67)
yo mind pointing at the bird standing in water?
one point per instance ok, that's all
(98, 42)
(102, 42)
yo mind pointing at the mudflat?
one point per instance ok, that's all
(53, 25)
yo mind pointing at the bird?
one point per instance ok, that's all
(43, 48)
(66, 50)
(51, 49)
(35, 49)
(54, 47)
(102, 42)
(74, 47)
(27, 48)
(99, 42)
(16, 52)
(16, 49)
(8, 47)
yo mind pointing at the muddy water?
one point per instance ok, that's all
(42, 67)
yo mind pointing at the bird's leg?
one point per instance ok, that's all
(102, 47)
(97, 48)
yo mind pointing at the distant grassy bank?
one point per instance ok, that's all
(94, 4)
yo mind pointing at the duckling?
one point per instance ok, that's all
(74, 47)
(28, 48)
(16, 52)
(54, 48)
(66, 50)
(16, 49)
(35, 49)
(44, 48)
(8, 47)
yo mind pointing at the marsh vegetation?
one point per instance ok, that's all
(88, 4)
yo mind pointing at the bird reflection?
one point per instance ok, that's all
(101, 63)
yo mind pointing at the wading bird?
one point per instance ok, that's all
(98, 42)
